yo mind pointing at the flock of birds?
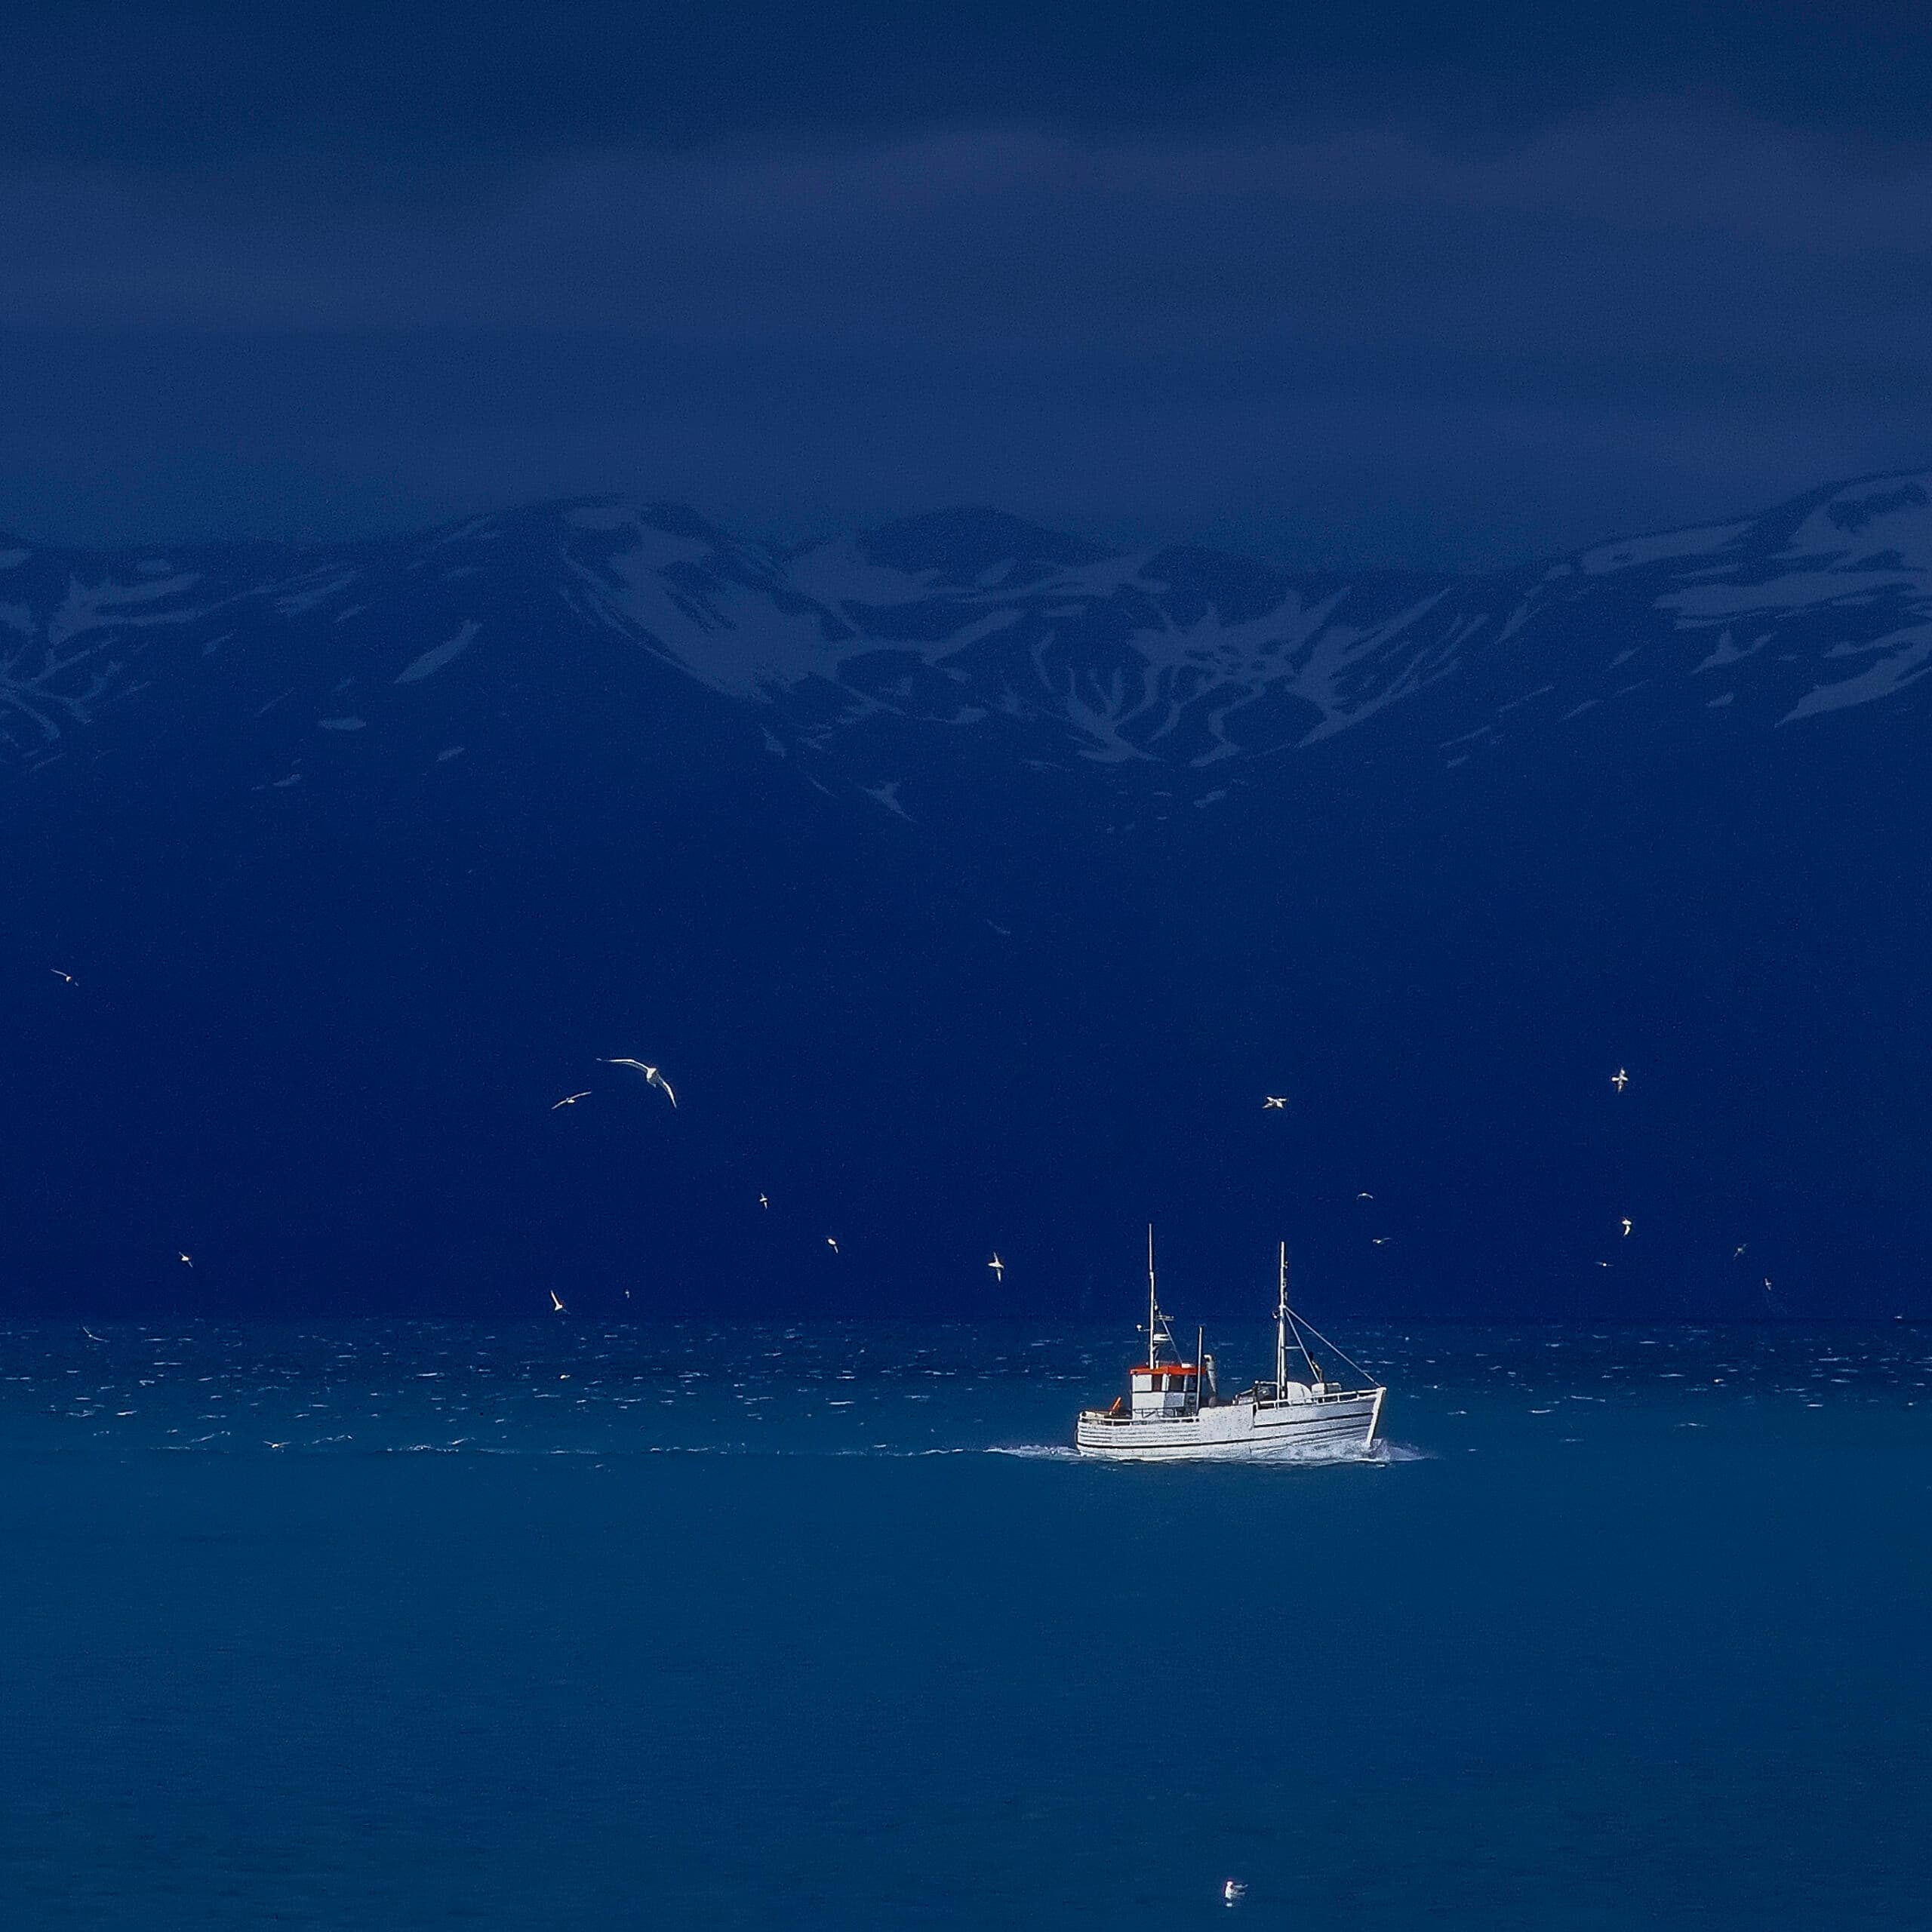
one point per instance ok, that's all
(653, 1076)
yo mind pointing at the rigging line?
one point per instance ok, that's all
(1303, 1345)
(1326, 1344)
(1294, 1328)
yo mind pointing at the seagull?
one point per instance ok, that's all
(186, 1260)
(68, 977)
(556, 1304)
(1619, 1080)
(572, 1099)
(1379, 1241)
(998, 1268)
(1365, 1195)
(1736, 1252)
(1273, 1100)
(652, 1077)
(91, 1335)
(831, 1244)
(1233, 1891)
(764, 1201)
(1626, 1224)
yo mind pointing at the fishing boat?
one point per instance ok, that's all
(1174, 1413)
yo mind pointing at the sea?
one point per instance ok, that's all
(584, 1624)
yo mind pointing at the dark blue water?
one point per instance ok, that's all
(567, 1625)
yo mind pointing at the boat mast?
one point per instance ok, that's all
(1153, 1307)
(1281, 1327)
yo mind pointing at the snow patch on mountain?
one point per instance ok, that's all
(1101, 578)
(662, 587)
(839, 575)
(89, 607)
(1874, 517)
(433, 660)
(478, 527)
(1727, 652)
(1709, 603)
(1346, 683)
(1891, 674)
(308, 592)
(1664, 546)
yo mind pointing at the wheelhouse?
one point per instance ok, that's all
(1166, 1388)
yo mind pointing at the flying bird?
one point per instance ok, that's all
(1619, 1080)
(831, 1244)
(1365, 1195)
(556, 1303)
(68, 977)
(652, 1077)
(1626, 1224)
(572, 1099)
(186, 1260)
(91, 1335)
(1233, 1891)
(764, 1201)
(1380, 1241)
(998, 1268)
(1273, 1100)
(1736, 1252)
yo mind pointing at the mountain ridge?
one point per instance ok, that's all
(1181, 657)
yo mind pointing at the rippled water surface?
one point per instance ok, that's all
(567, 1623)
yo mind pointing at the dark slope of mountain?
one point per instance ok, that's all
(974, 885)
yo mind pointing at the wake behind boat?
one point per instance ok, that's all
(1173, 1413)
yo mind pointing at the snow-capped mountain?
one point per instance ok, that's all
(963, 640)
(973, 882)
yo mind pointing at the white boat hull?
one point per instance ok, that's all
(1340, 1425)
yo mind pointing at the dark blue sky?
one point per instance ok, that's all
(1392, 283)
